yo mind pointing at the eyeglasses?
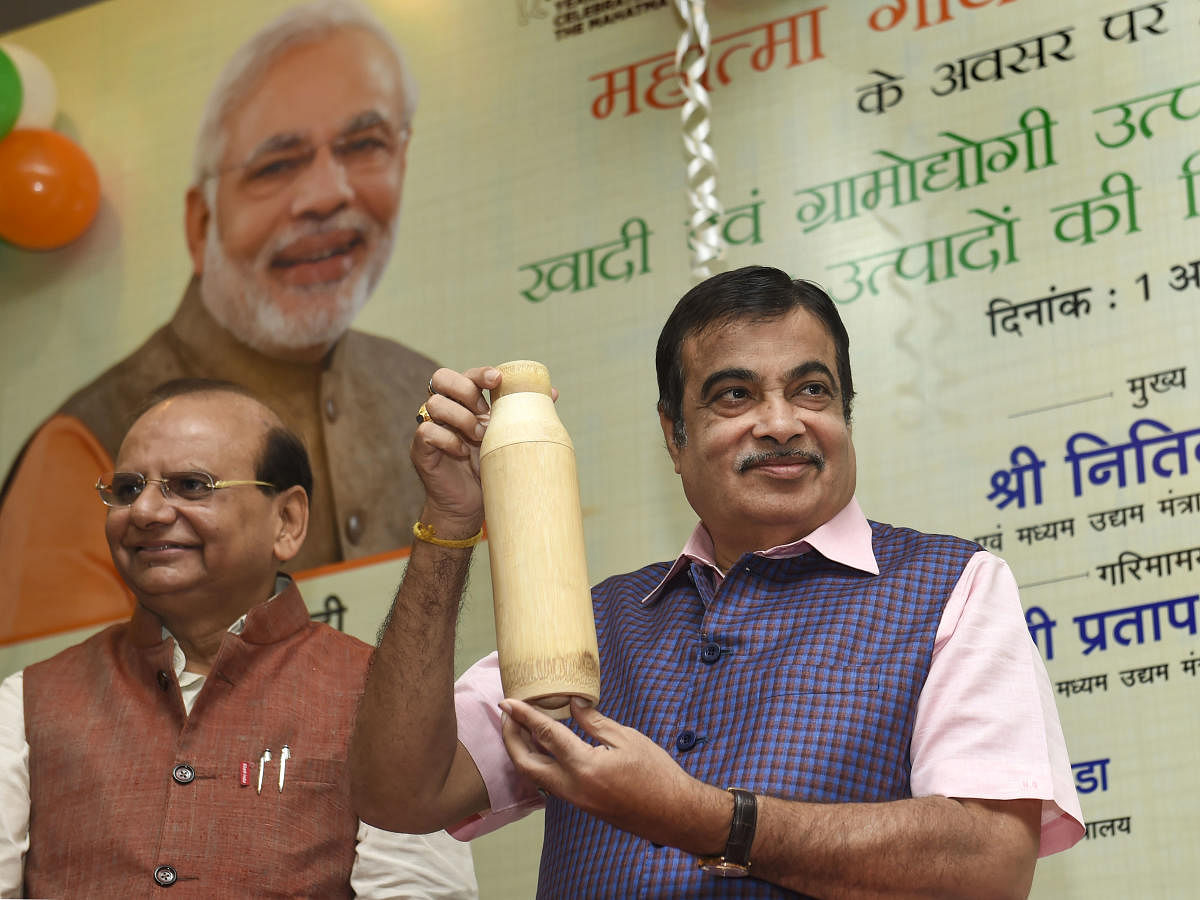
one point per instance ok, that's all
(119, 489)
(367, 148)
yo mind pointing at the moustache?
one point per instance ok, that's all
(343, 220)
(762, 457)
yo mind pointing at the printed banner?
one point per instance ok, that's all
(1002, 196)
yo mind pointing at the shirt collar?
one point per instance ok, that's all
(282, 583)
(845, 539)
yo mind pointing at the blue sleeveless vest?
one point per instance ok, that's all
(797, 678)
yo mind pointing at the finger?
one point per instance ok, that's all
(459, 404)
(433, 439)
(600, 728)
(520, 742)
(553, 737)
(466, 388)
(453, 416)
(529, 758)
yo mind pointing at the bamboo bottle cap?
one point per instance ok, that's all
(522, 376)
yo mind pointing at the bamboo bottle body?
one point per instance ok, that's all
(545, 628)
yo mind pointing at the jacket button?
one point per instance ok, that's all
(331, 410)
(710, 653)
(165, 876)
(354, 527)
(686, 740)
(164, 680)
(183, 774)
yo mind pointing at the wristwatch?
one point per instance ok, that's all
(735, 862)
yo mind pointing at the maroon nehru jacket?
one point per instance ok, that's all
(128, 793)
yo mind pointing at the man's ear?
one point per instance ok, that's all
(292, 506)
(668, 430)
(195, 226)
(403, 155)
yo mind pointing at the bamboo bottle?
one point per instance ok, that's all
(545, 629)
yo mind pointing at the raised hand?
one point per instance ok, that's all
(445, 450)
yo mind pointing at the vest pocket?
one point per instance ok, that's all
(820, 680)
(314, 771)
(830, 733)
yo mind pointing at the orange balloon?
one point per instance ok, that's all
(49, 189)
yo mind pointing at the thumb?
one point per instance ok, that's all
(595, 725)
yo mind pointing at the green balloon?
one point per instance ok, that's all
(11, 94)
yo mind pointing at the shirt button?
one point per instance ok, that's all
(331, 410)
(164, 681)
(710, 653)
(183, 774)
(354, 527)
(165, 876)
(686, 740)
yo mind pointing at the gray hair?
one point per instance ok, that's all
(299, 25)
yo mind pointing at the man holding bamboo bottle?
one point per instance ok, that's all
(827, 705)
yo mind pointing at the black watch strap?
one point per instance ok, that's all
(735, 862)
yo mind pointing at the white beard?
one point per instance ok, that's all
(242, 298)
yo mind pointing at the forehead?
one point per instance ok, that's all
(764, 346)
(315, 89)
(216, 432)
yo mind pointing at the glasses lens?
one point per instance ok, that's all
(189, 485)
(121, 488)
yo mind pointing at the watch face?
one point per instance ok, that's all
(723, 869)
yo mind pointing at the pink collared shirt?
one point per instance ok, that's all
(986, 725)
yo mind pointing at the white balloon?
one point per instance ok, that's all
(39, 104)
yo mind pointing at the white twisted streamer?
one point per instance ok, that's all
(701, 159)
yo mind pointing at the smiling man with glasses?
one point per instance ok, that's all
(290, 221)
(126, 761)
